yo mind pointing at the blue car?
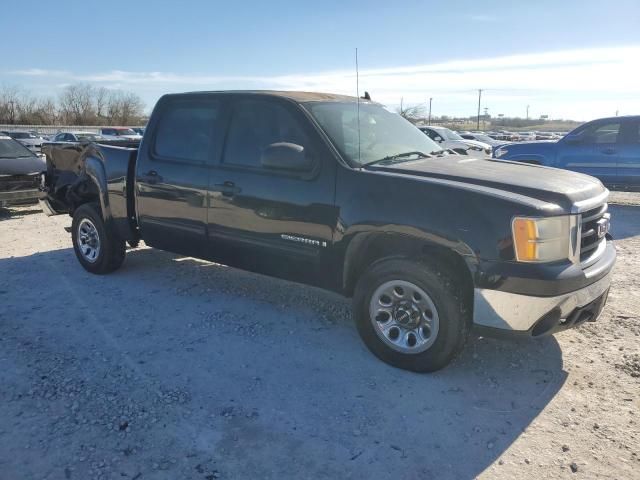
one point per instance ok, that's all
(607, 148)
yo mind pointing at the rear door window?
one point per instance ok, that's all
(188, 130)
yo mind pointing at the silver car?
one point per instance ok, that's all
(31, 141)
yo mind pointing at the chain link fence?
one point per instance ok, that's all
(53, 129)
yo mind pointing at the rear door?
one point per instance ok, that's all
(172, 172)
(595, 153)
(277, 222)
(629, 154)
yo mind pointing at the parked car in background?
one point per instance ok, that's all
(448, 139)
(607, 148)
(120, 133)
(526, 136)
(77, 136)
(503, 135)
(31, 141)
(285, 184)
(546, 136)
(20, 171)
(482, 137)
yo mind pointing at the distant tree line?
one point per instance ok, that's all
(79, 104)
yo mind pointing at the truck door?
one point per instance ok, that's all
(277, 221)
(172, 173)
(629, 154)
(594, 152)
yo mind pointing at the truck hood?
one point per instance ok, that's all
(22, 165)
(550, 189)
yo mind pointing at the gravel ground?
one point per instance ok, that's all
(176, 368)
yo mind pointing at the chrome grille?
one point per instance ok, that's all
(591, 233)
(12, 183)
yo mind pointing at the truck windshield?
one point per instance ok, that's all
(21, 135)
(11, 149)
(382, 132)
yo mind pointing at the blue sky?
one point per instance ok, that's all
(566, 59)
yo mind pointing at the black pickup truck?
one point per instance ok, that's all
(346, 195)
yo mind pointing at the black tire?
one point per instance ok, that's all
(112, 250)
(443, 289)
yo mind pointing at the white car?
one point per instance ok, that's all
(119, 133)
(448, 139)
(77, 136)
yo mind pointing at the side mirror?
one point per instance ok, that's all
(286, 156)
(439, 139)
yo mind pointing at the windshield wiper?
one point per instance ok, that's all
(402, 157)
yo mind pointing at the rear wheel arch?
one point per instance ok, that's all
(90, 187)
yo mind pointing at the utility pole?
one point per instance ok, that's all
(479, 98)
(430, 100)
(527, 112)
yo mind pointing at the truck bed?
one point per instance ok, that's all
(74, 170)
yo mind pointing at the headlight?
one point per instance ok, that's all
(500, 152)
(540, 240)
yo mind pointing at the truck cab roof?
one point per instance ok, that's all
(296, 96)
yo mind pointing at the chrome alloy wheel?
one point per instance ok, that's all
(88, 240)
(404, 316)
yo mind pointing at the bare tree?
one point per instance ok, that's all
(76, 105)
(83, 104)
(413, 113)
(101, 99)
(9, 104)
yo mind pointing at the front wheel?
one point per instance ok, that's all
(98, 250)
(410, 314)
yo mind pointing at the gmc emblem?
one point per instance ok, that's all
(603, 227)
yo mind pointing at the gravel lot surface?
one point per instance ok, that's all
(176, 368)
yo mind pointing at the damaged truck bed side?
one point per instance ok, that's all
(289, 184)
(76, 174)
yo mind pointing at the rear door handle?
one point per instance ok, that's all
(228, 188)
(609, 151)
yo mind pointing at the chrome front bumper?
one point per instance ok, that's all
(519, 313)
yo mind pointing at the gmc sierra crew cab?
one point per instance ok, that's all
(342, 193)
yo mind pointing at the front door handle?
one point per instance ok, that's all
(609, 151)
(228, 188)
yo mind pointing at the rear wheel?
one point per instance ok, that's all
(98, 250)
(411, 314)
